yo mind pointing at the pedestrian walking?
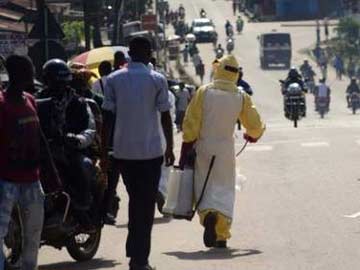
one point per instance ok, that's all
(196, 60)
(134, 98)
(183, 99)
(339, 66)
(209, 122)
(351, 68)
(235, 5)
(201, 70)
(185, 53)
(104, 70)
(21, 155)
(318, 38)
(120, 60)
(326, 28)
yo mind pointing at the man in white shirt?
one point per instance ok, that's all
(135, 98)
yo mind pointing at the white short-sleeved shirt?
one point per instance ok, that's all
(137, 96)
(96, 87)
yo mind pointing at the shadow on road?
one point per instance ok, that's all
(89, 265)
(214, 254)
(159, 220)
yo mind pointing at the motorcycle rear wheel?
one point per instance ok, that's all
(84, 249)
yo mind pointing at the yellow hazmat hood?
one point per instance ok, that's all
(226, 68)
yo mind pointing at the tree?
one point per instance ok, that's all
(74, 32)
(92, 19)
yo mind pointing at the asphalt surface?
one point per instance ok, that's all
(300, 204)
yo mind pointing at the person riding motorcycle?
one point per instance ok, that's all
(69, 127)
(307, 70)
(294, 77)
(239, 24)
(202, 13)
(219, 51)
(229, 28)
(351, 89)
(322, 91)
(243, 84)
(230, 45)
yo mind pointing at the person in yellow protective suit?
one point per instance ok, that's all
(208, 127)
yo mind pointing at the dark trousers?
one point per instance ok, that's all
(141, 178)
(110, 193)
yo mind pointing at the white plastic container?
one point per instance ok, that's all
(179, 201)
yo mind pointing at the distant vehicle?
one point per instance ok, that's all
(203, 29)
(131, 27)
(275, 49)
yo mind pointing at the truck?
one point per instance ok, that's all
(275, 49)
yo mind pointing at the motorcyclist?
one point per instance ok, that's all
(352, 88)
(239, 24)
(202, 13)
(243, 84)
(181, 11)
(219, 51)
(294, 77)
(322, 91)
(230, 45)
(69, 127)
(307, 70)
(228, 28)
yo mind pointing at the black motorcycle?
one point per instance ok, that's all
(62, 227)
(322, 106)
(294, 102)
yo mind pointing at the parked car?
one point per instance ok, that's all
(203, 29)
(275, 49)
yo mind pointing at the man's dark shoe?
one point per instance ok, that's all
(160, 201)
(210, 232)
(221, 244)
(142, 267)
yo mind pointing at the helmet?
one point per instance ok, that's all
(56, 70)
(293, 72)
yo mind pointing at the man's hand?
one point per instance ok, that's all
(249, 139)
(169, 157)
(72, 140)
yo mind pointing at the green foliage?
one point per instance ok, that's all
(74, 32)
(347, 43)
(348, 29)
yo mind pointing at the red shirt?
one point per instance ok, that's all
(19, 140)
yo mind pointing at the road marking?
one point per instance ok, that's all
(355, 215)
(315, 144)
(260, 148)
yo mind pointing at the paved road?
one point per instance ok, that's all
(301, 183)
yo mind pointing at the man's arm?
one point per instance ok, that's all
(167, 126)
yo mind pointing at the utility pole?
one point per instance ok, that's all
(117, 8)
(43, 13)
